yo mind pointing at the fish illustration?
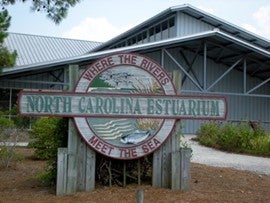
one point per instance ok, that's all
(135, 137)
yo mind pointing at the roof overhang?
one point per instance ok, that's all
(215, 35)
(208, 18)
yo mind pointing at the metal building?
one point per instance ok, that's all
(214, 57)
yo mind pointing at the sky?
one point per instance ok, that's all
(101, 20)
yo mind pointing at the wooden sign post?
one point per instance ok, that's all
(124, 106)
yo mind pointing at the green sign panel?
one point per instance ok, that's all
(121, 105)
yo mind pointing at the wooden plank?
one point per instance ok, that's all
(81, 171)
(185, 175)
(72, 158)
(140, 196)
(61, 182)
(175, 178)
(166, 163)
(124, 174)
(139, 171)
(90, 169)
(157, 169)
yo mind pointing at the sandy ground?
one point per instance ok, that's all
(208, 184)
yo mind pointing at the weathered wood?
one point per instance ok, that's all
(175, 178)
(157, 169)
(175, 134)
(61, 182)
(124, 174)
(166, 163)
(185, 175)
(81, 170)
(71, 169)
(73, 76)
(175, 155)
(139, 171)
(81, 159)
(90, 172)
(140, 196)
(162, 161)
(72, 139)
(72, 158)
(110, 173)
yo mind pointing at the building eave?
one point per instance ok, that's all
(148, 46)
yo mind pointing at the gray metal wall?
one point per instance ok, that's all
(240, 106)
(187, 25)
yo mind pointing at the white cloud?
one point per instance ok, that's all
(249, 27)
(207, 10)
(262, 20)
(94, 29)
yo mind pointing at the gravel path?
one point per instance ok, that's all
(212, 157)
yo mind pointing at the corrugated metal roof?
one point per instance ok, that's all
(196, 13)
(34, 49)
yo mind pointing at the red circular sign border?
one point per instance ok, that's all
(133, 146)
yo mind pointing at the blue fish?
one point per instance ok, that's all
(135, 137)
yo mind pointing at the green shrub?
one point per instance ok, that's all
(208, 134)
(261, 145)
(49, 134)
(235, 137)
(5, 123)
(241, 137)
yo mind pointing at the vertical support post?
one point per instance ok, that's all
(204, 66)
(72, 139)
(10, 103)
(77, 172)
(139, 171)
(124, 174)
(245, 76)
(160, 158)
(61, 183)
(185, 169)
(162, 161)
(175, 155)
(140, 196)
(90, 171)
(81, 156)
(176, 170)
(157, 168)
(110, 173)
(177, 80)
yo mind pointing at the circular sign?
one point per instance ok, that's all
(125, 137)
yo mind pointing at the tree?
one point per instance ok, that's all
(56, 9)
(7, 58)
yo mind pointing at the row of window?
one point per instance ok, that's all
(163, 30)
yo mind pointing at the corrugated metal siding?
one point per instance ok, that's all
(239, 107)
(47, 80)
(187, 25)
(33, 49)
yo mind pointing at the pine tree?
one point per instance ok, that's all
(7, 58)
(56, 10)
